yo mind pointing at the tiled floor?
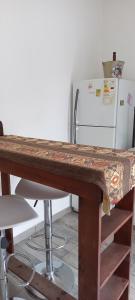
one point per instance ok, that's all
(68, 225)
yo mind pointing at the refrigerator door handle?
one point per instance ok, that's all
(75, 114)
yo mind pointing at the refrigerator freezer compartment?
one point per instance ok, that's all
(96, 136)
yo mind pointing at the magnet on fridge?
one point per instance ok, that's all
(90, 86)
(122, 102)
(91, 90)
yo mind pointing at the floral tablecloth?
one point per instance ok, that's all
(112, 170)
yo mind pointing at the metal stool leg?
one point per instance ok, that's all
(48, 238)
(4, 293)
(47, 235)
(55, 270)
(3, 273)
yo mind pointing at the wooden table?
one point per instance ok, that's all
(102, 276)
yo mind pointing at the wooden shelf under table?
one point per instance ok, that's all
(111, 224)
(114, 268)
(111, 258)
(114, 289)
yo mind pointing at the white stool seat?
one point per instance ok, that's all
(55, 271)
(37, 191)
(14, 210)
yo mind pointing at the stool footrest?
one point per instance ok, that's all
(25, 284)
(33, 237)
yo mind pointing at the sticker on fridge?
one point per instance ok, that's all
(108, 100)
(109, 92)
(91, 89)
(98, 92)
(130, 99)
(109, 87)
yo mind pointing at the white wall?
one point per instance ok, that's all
(118, 33)
(44, 46)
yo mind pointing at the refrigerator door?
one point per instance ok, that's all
(96, 136)
(96, 102)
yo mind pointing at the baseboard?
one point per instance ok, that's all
(26, 234)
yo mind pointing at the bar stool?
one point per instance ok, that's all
(14, 210)
(53, 269)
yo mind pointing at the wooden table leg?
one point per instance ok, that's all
(89, 245)
(5, 187)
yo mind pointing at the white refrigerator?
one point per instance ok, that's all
(103, 114)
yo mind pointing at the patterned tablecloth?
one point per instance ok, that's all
(112, 170)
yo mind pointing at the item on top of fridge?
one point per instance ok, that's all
(114, 68)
